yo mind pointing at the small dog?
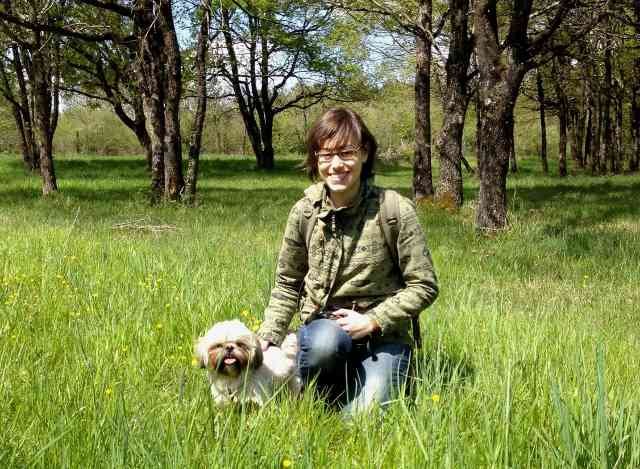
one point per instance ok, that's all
(239, 371)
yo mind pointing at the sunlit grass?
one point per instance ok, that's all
(530, 357)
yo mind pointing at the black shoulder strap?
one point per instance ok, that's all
(390, 226)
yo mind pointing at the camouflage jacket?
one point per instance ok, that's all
(348, 263)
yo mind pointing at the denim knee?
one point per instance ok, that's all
(380, 377)
(324, 348)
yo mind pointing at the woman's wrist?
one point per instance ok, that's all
(375, 327)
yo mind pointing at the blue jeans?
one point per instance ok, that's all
(351, 374)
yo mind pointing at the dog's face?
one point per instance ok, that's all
(229, 348)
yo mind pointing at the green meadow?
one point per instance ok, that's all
(530, 358)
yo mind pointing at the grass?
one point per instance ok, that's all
(530, 356)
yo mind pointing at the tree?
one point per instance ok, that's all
(413, 18)
(455, 100)
(159, 75)
(106, 72)
(13, 87)
(39, 52)
(422, 176)
(558, 72)
(200, 62)
(268, 47)
(634, 161)
(543, 122)
(503, 60)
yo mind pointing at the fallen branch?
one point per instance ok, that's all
(143, 225)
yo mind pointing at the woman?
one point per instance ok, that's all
(355, 295)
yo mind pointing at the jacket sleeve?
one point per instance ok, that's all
(290, 272)
(416, 267)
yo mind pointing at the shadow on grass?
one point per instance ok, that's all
(581, 206)
(102, 167)
(441, 369)
(604, 191)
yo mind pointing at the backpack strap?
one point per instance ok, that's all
(390, 225)
(308, 220)
(306, 224)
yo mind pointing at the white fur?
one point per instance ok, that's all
(252, 385)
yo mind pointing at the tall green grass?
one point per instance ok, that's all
(530, 357)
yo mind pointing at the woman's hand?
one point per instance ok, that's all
(264, 344)
(355, 324)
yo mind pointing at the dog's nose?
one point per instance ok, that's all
(228, 348)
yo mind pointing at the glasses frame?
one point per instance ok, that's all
(328, 156)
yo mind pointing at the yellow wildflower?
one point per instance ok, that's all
(435, 398)
(287, 463)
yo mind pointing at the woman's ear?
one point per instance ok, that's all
(365, 154)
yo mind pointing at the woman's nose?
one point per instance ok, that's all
(336, 161)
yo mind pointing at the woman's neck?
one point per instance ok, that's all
(344, 198)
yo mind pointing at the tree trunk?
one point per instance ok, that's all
(575, 136)
(246, 111)
(606, 150)
(455, 100)
(587, 136)
(145, 142)
(32, 161)
(195, 143)
(513, 163)
(563, 110)
(150, 75)
(493, 164)
(422, 178)
(498, 91)
(173, 177)
(562, 140)
(543, 125)
(19, 108)
(587, 133)
(42, 83)
(618, 152)
(27, 160)
(449, 147)
(268, 161)
(634, 161)
(478, 123)
(597, 132)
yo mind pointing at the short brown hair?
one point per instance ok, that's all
(347, 127)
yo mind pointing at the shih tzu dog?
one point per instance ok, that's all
(239, 371)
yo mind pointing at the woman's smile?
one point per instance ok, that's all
(341, 169)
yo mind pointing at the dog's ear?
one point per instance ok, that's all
(201, 353)
(257, 357)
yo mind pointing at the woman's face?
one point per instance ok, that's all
(340, 167)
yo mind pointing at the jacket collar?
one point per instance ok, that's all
(319, 195)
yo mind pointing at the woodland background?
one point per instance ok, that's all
(131, 220)
(256, 73)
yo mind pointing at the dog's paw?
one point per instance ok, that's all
(290, 345)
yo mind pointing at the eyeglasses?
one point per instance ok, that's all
(347, 155)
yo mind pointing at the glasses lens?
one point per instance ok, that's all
(348, 155)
